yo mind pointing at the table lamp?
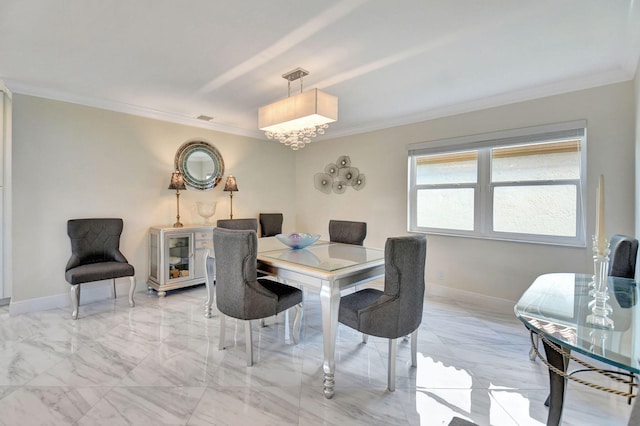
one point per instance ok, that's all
(177, 183)
(230, 186)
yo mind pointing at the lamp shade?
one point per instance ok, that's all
(177, 181)
(230, 184)
(304, 110)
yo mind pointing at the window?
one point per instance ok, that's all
(524, 184)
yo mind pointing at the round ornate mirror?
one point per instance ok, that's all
(201, 165)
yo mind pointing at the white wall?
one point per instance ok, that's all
(637, 145)
(492, 268)
(72, 161)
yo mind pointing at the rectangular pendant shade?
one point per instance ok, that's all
(304, 110)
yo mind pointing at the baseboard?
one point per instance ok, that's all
(481, 300)
(39, 304)
(93, 292)
(90, 292)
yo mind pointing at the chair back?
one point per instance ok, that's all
(238, 293)
(241, 224)
(398, 312)
(94, 241)
(236, 253)
(622, 259)
(347, 232)
(271, 224)
(404, 279)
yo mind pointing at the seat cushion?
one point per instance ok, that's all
(98, 271)
(287, 296)
(354, 302)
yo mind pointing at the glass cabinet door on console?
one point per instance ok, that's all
(154, 257)
(179, 255)
(173, 253)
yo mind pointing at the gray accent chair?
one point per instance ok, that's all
(271, 224)
(243, 224)
(347, 232)
(622, 259)
(96, 256)
(240, 294)
(396, 311)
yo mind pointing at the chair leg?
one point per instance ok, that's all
(297, 323)
(365, 338)
(248, 342)
(391, 376)
(414, 348)
(75, 300)
(132, 289)
(114, 287)
(222, 328)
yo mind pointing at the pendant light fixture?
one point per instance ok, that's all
(294, 120)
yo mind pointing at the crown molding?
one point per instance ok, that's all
(125, 108)
(622, 74)
(5, 89)
(552, 89)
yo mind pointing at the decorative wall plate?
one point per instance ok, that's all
(337, 176)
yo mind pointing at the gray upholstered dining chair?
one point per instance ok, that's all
(96, 256)
(242, 224)
(347, 232)
(270, 224)
(396, 311)
(622, 258)
(240, 294)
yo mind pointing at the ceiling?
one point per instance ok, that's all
(389, 63)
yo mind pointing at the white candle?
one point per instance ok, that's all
(601, 242)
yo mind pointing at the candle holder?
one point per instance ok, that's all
(600, 309)
(599, 337)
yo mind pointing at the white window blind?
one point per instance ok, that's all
(522, 184)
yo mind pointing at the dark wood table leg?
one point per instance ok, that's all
(557, 383)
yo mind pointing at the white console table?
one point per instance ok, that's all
(176, 256)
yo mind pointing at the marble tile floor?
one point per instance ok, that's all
(159, 364)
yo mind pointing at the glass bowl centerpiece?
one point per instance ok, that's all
(297, 240)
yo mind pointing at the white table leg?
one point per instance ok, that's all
(330, 303)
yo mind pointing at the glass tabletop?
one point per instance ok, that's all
(558, 306)
(327, 257)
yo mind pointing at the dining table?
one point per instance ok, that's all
(558, 308)
(325, 266)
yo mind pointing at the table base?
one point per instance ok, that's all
(557, 360)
